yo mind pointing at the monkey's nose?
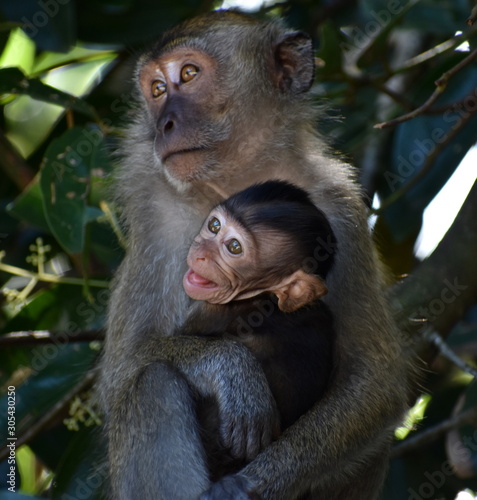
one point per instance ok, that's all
(167, 123)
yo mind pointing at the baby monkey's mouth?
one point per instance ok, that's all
(196, 279)
(198, 287)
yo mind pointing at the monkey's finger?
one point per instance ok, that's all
(232, 437)
(238, 441)
(254, 443)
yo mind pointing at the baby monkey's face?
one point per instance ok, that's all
(228, 261)
(222, 260)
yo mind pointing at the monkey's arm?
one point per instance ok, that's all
(152, 420)
(340, 440)
(230, 374)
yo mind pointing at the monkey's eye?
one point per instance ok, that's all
(234, 246)
(214, 225)
(188, 72)
(158, 88)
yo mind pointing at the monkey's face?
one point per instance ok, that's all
(229, 262)
(185, 104)
(221, 93)
(223, 260)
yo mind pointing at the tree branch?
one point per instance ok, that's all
(426, 167)
(429, 435)
(46, 337)
(444, 285)
(441, 84)
(445, 351)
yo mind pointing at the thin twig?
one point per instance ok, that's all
(431, 157)
(429, 435)
(441, 86)
(444, 79)
(426, 56)
(51, 278)
(418, 111)
(444, 349)
(47, 337)
(113, 221)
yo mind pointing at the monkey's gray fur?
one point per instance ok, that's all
(150, 377)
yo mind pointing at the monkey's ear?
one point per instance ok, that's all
(298, 290)
(295, 66)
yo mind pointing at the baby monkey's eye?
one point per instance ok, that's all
(234, 246)
(214, 225)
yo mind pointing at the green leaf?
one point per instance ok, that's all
(438, 16)
(19, 52)
(28, 207)
(65, 181)
(81, 473)
(381, 22)
(78, 54)
(31, 116)
(56, 369)
(59, 308)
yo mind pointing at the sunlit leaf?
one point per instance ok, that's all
(49, 60)
(413, 417)
(19, 52)
(29, 122)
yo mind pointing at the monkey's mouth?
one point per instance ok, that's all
(170, 154)
(197, 287)
(197, 280)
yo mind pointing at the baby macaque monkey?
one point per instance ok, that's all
(258, 268)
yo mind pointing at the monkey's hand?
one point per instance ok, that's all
(234, 487)
(248, 419)
(248, 415)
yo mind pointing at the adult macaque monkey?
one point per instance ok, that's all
(253, 248)
(223, 103)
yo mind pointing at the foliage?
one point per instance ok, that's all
(65, 91)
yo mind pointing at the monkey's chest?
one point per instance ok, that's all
(295, 352)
